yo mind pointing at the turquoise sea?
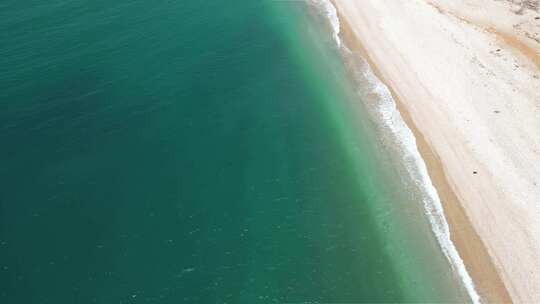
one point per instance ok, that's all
(182, 151)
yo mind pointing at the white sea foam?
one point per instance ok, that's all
(330, 12)
(415, 165)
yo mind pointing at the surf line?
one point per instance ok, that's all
(403, 136)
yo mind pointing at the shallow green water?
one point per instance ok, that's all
(196, 152)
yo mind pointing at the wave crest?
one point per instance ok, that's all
(330, 12)
(393, 123)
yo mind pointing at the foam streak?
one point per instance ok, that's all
(416, 167)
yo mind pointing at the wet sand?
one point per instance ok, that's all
(491, 212)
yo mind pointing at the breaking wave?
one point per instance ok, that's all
(393, 123)
(330, 12)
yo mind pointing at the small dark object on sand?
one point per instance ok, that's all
(475, 172)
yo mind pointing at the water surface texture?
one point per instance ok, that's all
(195, 152)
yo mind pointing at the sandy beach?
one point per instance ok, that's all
(466, 78)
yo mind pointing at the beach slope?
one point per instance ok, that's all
(467, 75)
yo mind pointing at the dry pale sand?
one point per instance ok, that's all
(466, 75)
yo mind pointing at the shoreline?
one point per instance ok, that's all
(487, 263)
(469, 245)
